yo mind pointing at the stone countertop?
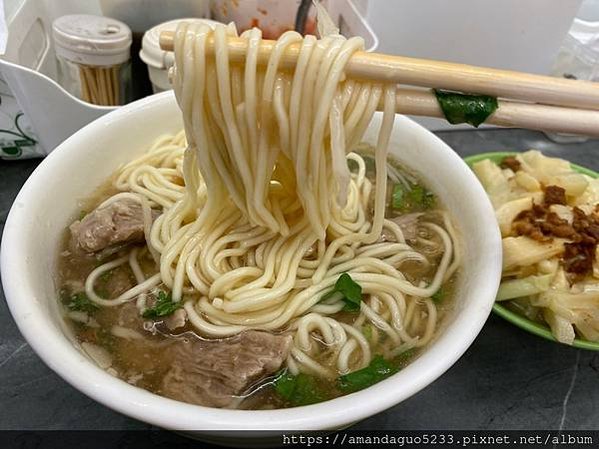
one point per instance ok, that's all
(508, 379)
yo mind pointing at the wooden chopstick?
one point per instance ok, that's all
(436, 74)
(411, 101)
(526, 100)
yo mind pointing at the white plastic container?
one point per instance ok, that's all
(274, 17)
(158, 60)
(93, 55)
(37, 113)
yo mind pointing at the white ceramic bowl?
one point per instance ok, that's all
(48, 201)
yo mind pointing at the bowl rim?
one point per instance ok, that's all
(63, 358)
(516, 319)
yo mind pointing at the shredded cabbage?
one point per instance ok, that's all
(542, 167)
(528, 182)
(563, 212)
(522, 251)
(508, 211)
(517, 288)
(533, 279)
(562, 329)
(493, 180)
(573, 183)
(590, 195)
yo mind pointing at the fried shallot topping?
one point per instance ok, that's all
(542, 224)
(510, 162)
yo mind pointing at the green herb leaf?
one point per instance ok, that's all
(462, 108)
(285, 385)
(164, 306)
(351, 291)
(397, 199)
(439, 295)
(299, 390)
(80, 302)
(418, 198)
(378, 370)
(422, 196)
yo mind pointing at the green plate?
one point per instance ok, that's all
(522, 322)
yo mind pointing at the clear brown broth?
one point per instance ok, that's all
(145, 362)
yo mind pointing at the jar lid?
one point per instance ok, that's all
(93, 40)
(152, 54)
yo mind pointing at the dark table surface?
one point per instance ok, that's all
(508, 379)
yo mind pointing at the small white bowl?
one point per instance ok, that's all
(48, 201)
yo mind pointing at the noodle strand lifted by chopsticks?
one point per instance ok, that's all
(270, 214)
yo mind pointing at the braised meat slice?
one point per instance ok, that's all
(212, 373)
(120, 222)
(409, 227)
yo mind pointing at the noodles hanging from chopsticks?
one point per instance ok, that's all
(270, 214)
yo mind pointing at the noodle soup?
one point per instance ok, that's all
(151, 342)
(261, 258)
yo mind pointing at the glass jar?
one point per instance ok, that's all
(93, 54)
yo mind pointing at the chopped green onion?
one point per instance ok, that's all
(377, 370)
(438, 296)
(164, 306)
(299, 390)
(397, 199)
(417, 198)
(79, 302)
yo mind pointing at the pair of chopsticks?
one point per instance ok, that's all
(525, 100)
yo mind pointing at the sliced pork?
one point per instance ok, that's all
(120, 222)
(212, 373)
